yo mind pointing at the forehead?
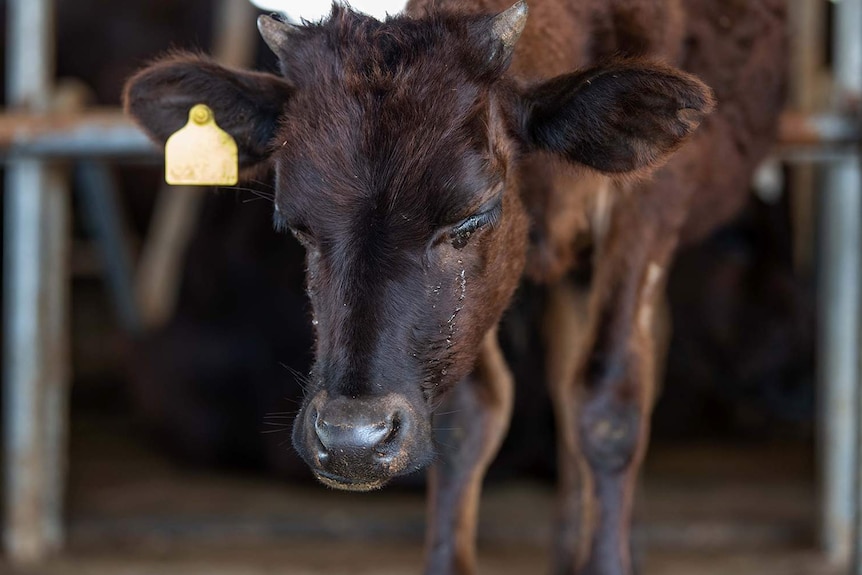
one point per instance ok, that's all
(363, 51)
(383, 111)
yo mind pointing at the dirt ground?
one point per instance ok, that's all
(326, 558)
(702, 510)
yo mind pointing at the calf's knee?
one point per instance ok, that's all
(609, 429)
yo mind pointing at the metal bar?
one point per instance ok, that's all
(798, 129)
(36, 240)
(815, 155)
(102, 133)
(25, 384)
(841, 272)
(849, 70)
(30, 57)
(838, 342)
(109, 133)
(102, 212)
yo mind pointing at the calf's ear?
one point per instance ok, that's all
(247, 105)
(621, 117)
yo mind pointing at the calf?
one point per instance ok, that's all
(428, 162)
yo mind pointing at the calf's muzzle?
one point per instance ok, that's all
(358, 444)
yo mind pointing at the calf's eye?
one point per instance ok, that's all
(462, 232)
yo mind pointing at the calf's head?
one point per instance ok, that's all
(395, 147)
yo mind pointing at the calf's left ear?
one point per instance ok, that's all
(247, 105)
(621, 117)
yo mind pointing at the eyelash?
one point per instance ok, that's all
(462, 232)
(282, 225)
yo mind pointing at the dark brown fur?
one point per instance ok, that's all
(426, 168)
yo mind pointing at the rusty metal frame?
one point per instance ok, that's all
(36, 301)
(36, 263)
(96, 133)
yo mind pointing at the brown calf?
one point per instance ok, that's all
(426, 164)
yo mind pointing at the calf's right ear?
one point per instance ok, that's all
(247, 105)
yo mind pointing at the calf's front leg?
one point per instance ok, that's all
(479, 411)
(565, 324)
(604, 399)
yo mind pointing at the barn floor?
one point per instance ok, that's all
(708, 510)
(355, 559)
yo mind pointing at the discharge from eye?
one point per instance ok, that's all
(462, 233)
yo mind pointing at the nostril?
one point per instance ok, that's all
(394, 428)
(322, 432)
(389, 443)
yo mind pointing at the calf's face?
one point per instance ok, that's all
(395, 147)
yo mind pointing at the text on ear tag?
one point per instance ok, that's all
(201, 153)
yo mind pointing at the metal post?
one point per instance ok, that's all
(102, 213)
(839, 347)
(36, 362)
(840, 306)
(848, 65)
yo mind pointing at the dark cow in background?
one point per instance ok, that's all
(427, 162)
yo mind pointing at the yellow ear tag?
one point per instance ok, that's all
(201, 153)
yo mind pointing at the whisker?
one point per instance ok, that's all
(440, 402)
(302, 379)
(263, 183)
(259, 195)
(291, 400)
(251, 190)
(448, 447)
(448, 412)
(293, 371)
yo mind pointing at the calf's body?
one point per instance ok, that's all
(428, 162)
